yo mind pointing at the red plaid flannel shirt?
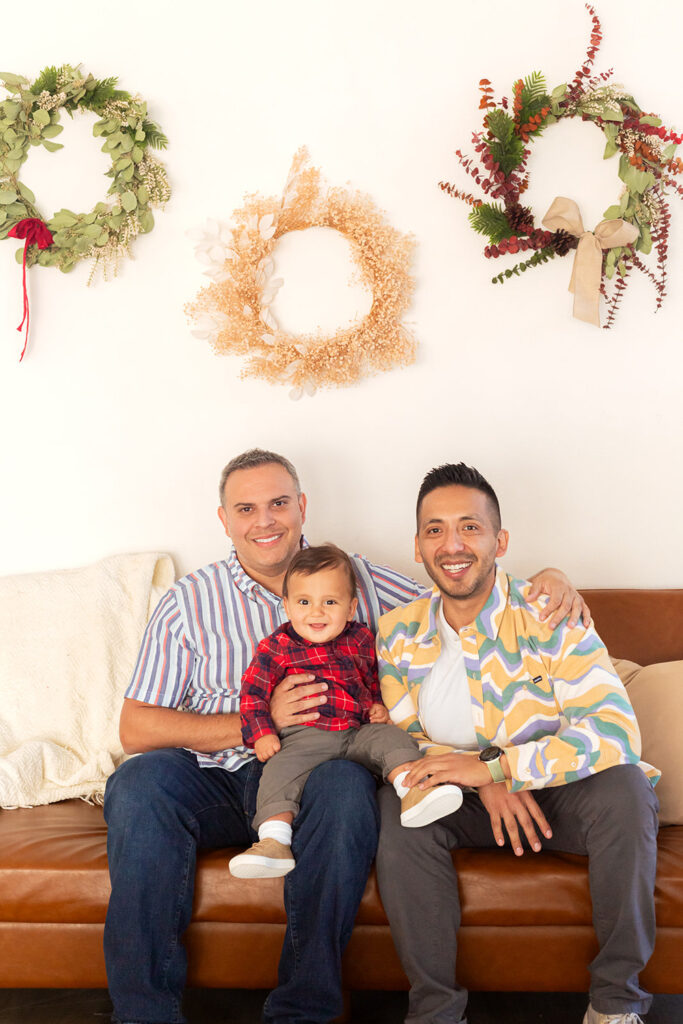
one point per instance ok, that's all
(348, 664)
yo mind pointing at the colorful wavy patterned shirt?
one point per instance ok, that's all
(550, 698)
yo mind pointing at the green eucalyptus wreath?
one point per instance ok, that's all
(30, 117)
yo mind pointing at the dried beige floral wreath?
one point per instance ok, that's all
(234, 312)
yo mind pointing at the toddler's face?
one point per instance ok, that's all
(319, 606)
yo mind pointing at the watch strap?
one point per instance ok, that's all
(496, 769)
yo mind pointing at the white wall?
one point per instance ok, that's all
(115, 427)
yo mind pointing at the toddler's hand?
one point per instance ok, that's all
(266, 746)
(378, 714)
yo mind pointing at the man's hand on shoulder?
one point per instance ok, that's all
(563, 598)
(512, 810)
(294, 700)
(266, 746)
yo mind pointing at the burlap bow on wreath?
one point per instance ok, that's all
(587, 270)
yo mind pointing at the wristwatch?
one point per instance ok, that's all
(491, 757)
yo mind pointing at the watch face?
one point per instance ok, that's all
(490, 753)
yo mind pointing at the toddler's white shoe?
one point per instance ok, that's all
(423, 806)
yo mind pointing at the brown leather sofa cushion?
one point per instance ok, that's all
(53, 868)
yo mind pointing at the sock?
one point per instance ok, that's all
(401, 790)
(280, 830)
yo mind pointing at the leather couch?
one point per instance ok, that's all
(526, 923)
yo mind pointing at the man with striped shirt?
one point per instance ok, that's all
(535, 720)
(194, 785)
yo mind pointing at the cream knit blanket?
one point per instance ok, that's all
(68, 644)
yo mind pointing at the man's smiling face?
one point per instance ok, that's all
(458, 541)
(263, 515)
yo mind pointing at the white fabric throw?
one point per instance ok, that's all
(68, 644)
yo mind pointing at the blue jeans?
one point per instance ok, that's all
(161, 808)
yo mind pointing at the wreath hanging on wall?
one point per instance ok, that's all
(632, 228)
(234, 312)
(30, 117)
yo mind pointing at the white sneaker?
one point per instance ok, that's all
(593, 1017)
(423, 806)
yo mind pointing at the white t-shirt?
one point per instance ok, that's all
(444, 703)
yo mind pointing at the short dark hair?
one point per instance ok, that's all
(308, 561)
(463, 476)
(250, 460)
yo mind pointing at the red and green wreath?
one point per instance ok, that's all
(635, 226)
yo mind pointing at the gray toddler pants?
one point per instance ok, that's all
(380, 748)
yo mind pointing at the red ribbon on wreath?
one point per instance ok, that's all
(35, 232)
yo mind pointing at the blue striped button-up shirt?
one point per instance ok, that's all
(205, 630)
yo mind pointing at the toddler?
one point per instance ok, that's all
(319, 592)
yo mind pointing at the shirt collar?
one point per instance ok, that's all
(427, 629)
(245, 583)
(488, 621)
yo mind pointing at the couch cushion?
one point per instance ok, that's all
(70, 640)
(53, 868)
(53, 863)
(656, 692)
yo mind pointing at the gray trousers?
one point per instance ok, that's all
(380, 748)
(611, 816)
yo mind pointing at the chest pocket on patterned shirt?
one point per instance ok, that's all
(529, 692)
(534, 695)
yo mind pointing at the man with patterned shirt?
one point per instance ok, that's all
(181, 714)
(536, 721)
